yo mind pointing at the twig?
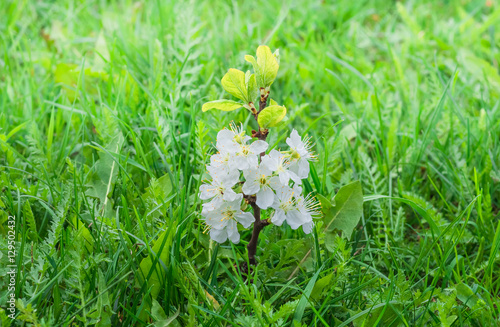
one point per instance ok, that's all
(259, 224)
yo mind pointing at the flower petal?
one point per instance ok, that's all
(218, 235)
(303, 168)
(294, 177)
(278, 217)
(265, 197)
(230, 195)
(208, 191)
(275, 183)
(307, 227)
(294, 219)
(258, 146)
(284, 177)
(211, 206)
(269, 162)
(239, 162)
(294, 140)
(232, 232)
(225, 141)
(214, 219)
(250, 187)
(245, 218)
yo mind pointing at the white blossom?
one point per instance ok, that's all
(290, 205)
(230, 141)
(257, 181)
(285, 207)
(223, 220)
(279, 163)
(300, 154)
(269, 180)
(222, 160)
(220, 188)
(309, 208)
(247, 156)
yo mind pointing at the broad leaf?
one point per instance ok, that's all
(107, 171)
(160, 258)
(271, 116)
(224, 105)
(346, 212)
(466, 295)
(234, 83)
(266, 66)
(382, 314)
(321, 286)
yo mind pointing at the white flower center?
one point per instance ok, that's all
(295, 154)
(227, 215)
(245, 150)
(238, 138)
(287, 205)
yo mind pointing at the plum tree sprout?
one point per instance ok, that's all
(246, 175)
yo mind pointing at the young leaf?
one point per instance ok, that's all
(266, 66)
(252, 89)
(272, 102)
(234, 83)
(347, 211)
(271, 116)
(224, 105)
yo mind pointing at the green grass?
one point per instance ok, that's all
(103, 146)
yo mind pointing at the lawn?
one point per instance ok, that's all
(104, 147)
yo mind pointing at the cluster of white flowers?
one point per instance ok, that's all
(238, 170)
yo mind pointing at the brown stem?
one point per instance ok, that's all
(263, 101)
(259, 224)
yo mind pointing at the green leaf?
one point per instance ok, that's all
(103, 304)
(160, 256)
(234, 83)
(382, 314)
(69, 75)
(266, 66)
(158, 189)
(346, 212)
(325, 203)
(30, 219)
(224, 105)
(321, 286)
(252, 89)
(299, 311)
(271, 116)
(466, 295)
(106, 171)
(273, 103)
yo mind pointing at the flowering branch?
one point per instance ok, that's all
(271, 181)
